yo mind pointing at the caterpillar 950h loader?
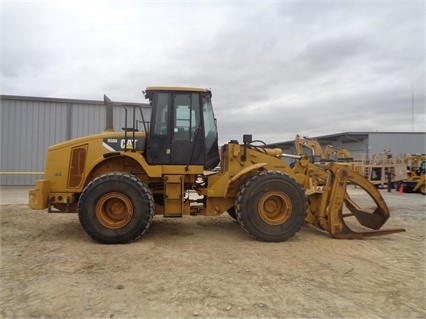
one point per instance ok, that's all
(118, 181)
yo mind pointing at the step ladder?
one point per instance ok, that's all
(367, 172)
(173, 195)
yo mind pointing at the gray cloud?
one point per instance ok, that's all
(275, 68)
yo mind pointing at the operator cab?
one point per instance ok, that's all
(183, 129)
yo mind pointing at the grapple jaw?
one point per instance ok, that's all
(336, 212)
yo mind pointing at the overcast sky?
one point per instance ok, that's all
(276, 68)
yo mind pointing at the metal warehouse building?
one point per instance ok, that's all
(29, 125)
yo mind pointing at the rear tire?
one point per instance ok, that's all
(271, 206)
(116, 208)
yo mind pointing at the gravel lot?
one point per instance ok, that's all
(209, 268)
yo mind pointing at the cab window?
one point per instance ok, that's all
(161, 121)
(186, 117)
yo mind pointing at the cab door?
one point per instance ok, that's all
(158, 147)
(176, 135)
(187, 136)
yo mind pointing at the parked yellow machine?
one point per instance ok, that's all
(416, 167)
(337, 154)
(118, 181)
(311, 147)
(383, 168)
(308, 146)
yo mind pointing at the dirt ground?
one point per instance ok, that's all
(209, 268)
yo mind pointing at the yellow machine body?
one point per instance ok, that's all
(416, 167)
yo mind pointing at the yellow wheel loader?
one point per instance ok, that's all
(172, 166)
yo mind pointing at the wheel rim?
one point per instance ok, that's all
(274, 207)
(114, 210)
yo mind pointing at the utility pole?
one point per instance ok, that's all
(412, 107)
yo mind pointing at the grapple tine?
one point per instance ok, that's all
(373, 220)
(330, 216)
(349, 234)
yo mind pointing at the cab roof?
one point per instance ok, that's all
(176, 88)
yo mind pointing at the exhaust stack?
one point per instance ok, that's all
(108, 114)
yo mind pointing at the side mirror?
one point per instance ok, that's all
(247, 139)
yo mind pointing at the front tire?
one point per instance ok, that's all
(116, 208)
(271, 206)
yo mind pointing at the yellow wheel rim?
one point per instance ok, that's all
(274, 208)
(114, 210)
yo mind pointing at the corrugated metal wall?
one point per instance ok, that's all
(29, 125)
(398, 143)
